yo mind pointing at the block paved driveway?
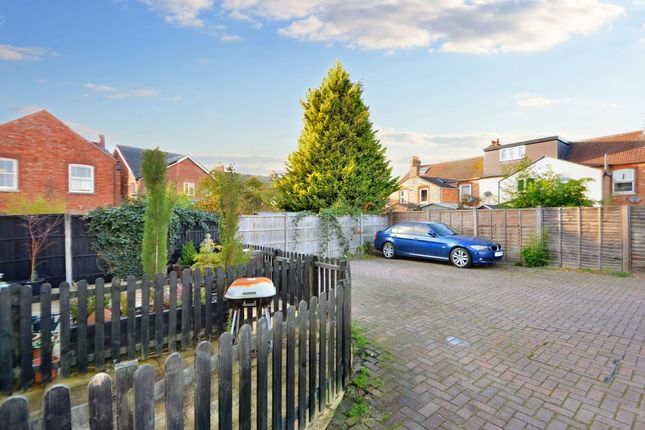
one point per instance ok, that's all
(503, 347)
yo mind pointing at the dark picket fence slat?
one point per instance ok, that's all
(99, 395)
(317, 364)
(203, 386)
(6, 367)
(26, 370)
(45, 333)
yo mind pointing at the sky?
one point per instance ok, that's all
(223, 80)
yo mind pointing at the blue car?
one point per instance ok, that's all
(436, 241)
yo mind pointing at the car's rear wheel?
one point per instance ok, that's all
(460, 257)
(388, 250)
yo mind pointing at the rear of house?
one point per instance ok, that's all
(41, 156)
(183, 171)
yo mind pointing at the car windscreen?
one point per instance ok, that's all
(443, 230)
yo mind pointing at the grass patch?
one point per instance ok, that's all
(362, 380)
(615, 273)
(360, 408)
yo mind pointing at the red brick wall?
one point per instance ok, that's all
(185, 171)
(451, 195)
(44, 148)
(639, 184)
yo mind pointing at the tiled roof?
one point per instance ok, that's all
(458, 170)
(134, 156)
(39, 126)
(624, 148)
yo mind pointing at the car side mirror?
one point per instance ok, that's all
(431, 233)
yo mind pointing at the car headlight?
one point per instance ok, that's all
(479, 247)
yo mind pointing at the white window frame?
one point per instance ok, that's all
(427, 195)
(462, 194)
(14, 174)
(81, 178)
(615, 173)
(191, 185)
(511, 154)
(403, 198)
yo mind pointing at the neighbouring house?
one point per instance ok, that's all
(622, 159)
(565, 170)
(453, 182)
(614, 164)
(41, 155)
(184, 171)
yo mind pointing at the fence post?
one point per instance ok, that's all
(6, 344)
(627, 245)
(286, 236)
(124, 380)
(14, 413)
(539, 221)
(69, 267)
(57, 407)
(99, 393)
(475, 222)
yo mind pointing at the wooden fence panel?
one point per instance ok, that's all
(245, 378)
(225, 390)
(203, 386)
(262, 349)
(172, 312)
(26, 371)
(99, 326)
(290, 371)
(637, 239)
(158, 308)
(303, 318)
(145, 317)
(6, 342)
(57, 409)
(124, 381)
(14, 413)
(276, 373)
(131, 324)
(99, 394)
(174, 390)
(144, 403)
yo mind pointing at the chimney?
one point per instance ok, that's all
(416, 163)
(101, 142)
(494, 142)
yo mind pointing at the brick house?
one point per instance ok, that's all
(183, 171)
(451, 182)
(622, 159)
(40, 155)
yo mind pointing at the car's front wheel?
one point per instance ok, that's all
(388, 250)
(460, 257)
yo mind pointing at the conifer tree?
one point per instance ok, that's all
(159, 208)
(339, 162)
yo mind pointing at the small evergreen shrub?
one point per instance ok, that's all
(536, 253)
(188, 253)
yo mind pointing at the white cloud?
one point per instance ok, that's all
(119, 94)
(477, 26)
(174, 99)
(96, 87)
(230, 38)
(17, 53)
(182, 12)
(26, 109)
(254, 164)
(88, 133)
(539, 102)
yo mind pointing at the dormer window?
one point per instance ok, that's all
(512, 153)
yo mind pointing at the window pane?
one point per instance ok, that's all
(622, 187)
(81, 172)
(404, 229)
(6, 181)
(624, 175)
(7, 166)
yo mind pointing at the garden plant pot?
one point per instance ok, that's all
(38, 376)
(107, 316)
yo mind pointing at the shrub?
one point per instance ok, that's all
(116, 233)
(188, 253)
(536, 253)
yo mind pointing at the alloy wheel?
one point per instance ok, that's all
(460, 257)
(388, 250)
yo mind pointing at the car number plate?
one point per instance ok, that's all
(499, 253)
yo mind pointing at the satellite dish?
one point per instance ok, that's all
(488, 194)
(634, 199)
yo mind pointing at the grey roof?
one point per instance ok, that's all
(441, 182)
(134, 156)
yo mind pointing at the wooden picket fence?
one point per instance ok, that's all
(313, 368)
(160, 315)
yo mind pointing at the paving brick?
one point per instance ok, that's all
(537, 346)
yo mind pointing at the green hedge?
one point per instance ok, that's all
(116, 233)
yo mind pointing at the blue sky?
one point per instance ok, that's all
(222, 79)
